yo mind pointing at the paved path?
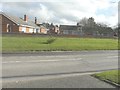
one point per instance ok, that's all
(18, 67)
(67, 81)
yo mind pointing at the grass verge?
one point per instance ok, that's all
(109, 76)
(27, 43)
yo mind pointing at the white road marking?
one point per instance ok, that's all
(16, 81)
(112, 57)
(17, 61)
(77, 59)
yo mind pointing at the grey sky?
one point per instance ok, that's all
(65, 12)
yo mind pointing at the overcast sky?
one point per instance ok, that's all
(64, 11)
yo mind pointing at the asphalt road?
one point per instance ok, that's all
(57, 69)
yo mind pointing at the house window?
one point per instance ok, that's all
(8, 28)
(31, 30)
(24, 29)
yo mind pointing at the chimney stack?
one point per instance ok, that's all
(25, 18)
(35, 20)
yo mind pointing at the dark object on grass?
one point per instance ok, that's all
(49, 41)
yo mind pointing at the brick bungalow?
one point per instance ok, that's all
(47, 28)
(53, 29)
(13, 24)
(43, 29)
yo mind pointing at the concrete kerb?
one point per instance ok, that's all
(108, 81)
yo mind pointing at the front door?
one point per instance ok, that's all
(8, 28)
(36, 30)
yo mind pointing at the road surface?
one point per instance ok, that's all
(57, 69)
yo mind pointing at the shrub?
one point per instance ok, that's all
(50, 40)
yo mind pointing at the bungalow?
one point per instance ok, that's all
(53, 29)
(49, 28)
(43, 30)
(13, 24)
(71, 29)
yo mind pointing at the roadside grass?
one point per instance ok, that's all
(112, 76)
(27, 43)
(0, 44)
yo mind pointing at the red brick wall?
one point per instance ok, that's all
(5, 21)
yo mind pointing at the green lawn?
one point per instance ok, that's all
(56, 44)
(109, 75)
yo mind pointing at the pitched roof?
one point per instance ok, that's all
(19, 21)
(68, 27)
